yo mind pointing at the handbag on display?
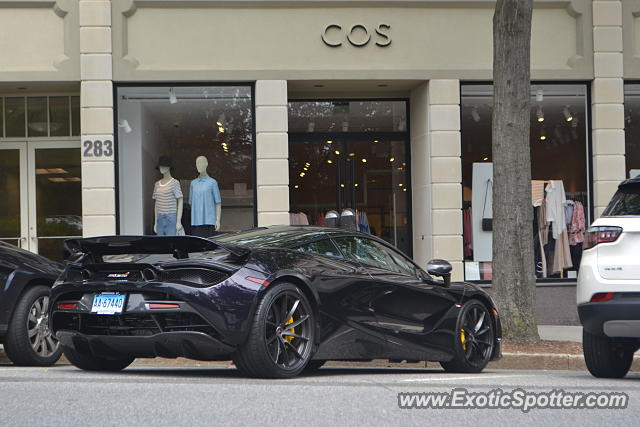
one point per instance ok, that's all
(487, 223)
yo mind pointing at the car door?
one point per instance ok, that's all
(349, 328)
(409, 306)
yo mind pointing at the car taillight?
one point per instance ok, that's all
(602, 296)
(596, 235)
(67, 306)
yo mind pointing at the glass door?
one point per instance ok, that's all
(13, 187)
(55, 196)
(360, 172)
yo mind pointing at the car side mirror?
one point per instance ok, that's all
(440, 268)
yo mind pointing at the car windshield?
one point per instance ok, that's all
(268, 237)
(626, 201)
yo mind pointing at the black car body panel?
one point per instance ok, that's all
(18, 270)
(364, 312)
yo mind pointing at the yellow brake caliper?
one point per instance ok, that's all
(463, 339)
(293, 330)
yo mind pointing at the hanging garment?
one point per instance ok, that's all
(568, 212)
(556, 202)
(562, 254)
(467, 233)
(578, 224)
(363, 222)
(298, 218)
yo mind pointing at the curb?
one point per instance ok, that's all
(518, 361)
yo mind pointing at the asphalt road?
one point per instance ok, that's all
(216, 394)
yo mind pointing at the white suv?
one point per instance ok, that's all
(608, 291)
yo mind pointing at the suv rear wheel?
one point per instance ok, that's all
(606, 358)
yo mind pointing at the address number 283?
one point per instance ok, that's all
(97, 148)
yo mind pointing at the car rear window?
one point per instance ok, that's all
(626, 201)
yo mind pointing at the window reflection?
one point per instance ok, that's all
(632, 129)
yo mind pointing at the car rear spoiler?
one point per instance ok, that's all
(179, 246)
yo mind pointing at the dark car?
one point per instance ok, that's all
(275, 300)
(25, 282)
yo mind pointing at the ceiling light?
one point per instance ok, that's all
(329, 161)
(404, 189)
(355, 185)
(391, 159)
(352, 154)
(342, 185)
(485, 158)
(337, 152)
(329, 141)
(302, 174)
(475, 114)
(567, 113)
(540, 114)
(305, 168)
(172, 96)
(400, 185)
(296, 186)
(364, 160)
(375, 140)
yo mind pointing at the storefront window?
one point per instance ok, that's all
(354, 155)
(632, 129)
(182, 124)
(559, 169)
(45, 116)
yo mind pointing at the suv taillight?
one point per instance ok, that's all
(595, 235)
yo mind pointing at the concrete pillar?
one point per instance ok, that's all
(607, 98)
(272, 152)
(444, 173)
(96, 120)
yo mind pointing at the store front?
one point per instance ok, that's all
(40, 173)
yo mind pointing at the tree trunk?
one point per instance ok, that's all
(513, 262)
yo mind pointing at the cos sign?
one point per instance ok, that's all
(357, 35)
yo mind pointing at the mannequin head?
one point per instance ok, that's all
(164, 169)
(201, 164)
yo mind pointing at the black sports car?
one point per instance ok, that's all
(276, 300)
(25, 281)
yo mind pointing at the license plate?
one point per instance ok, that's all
(107, 303)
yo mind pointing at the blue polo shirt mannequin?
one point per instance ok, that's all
(206, 204)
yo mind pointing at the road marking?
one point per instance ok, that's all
(475, 377)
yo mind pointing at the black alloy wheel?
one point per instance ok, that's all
(474, 339)
(281, 338)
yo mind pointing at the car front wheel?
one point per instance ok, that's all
(280, 341)
(473, 339)
(29, 341)
(604, 357)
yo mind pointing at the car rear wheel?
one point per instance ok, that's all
(604, 357)
(474, 339)
(29, 341)
(280, 341)
(89, 362)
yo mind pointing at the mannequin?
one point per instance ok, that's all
(206, 204)
(168, 201)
